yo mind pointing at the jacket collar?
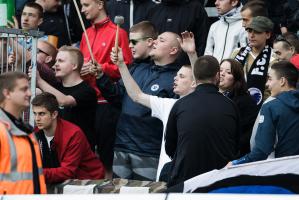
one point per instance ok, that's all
(101, 23)
(11, 127)
(207, 88)
(168, 67)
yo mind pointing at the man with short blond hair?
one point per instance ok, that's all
(77, 100)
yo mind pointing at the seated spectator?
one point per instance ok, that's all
(256, 57)
(279, 120)
(65, 150)
(77, 100)
(232, 84)
(227, 33)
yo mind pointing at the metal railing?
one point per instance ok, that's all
(21, 47)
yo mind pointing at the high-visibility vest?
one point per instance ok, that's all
(16, 169)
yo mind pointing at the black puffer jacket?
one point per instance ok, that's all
(122, 7)
(181, 15)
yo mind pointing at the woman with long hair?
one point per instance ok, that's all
(233, 85)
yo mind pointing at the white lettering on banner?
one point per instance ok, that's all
(261, 61)
(256, 71)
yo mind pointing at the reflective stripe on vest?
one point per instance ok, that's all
(14, 175)
(19, 176)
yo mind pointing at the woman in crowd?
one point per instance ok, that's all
(232, 84)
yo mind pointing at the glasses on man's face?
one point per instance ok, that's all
(135, 41)
(41, 51)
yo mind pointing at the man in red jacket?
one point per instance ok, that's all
(102, 38)
(65, 150)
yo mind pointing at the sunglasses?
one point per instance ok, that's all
(41, 51)
(135, 41)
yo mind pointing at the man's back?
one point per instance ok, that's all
(202, 133)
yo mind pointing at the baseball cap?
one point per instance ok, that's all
(261, 24)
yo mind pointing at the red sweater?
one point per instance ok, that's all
(102, 38)
(76, 159)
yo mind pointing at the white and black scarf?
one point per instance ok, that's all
(257, 75)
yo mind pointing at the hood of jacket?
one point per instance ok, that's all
(232, 16)
(290, 99)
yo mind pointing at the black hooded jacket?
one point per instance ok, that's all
(181, 15)
(122, 7)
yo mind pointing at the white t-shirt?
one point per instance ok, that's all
(161, 108)
(49, 140)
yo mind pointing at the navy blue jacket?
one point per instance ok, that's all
(278, 129)
(137, 132)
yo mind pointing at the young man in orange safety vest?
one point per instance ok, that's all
(20, 163)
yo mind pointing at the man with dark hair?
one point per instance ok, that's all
(203, 128)
(279, 120)
(77, 100)
(65, 150)
(31, 18)
(20, 163)
(253, 9)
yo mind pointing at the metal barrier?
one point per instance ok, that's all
(22, 45)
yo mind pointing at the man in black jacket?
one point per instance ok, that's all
(178, 16)
(203, 128)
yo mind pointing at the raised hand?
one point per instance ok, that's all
(14, 24)
(187, 42)
(117, 59)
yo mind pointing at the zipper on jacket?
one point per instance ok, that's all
(225, 38)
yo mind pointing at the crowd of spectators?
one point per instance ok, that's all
(175, 98)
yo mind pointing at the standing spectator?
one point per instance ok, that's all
(77, 100)
(279, 120)
(181, 15)
(102, 38)
(232, 84)
(227, 33)
(290, 21)
(252, 9)
(73, 25)
(203, 128)
(54, 21)
(133, 11)
(256, 57)
(20, 163)
(160, 107)
(65, 149)
(139, 136)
